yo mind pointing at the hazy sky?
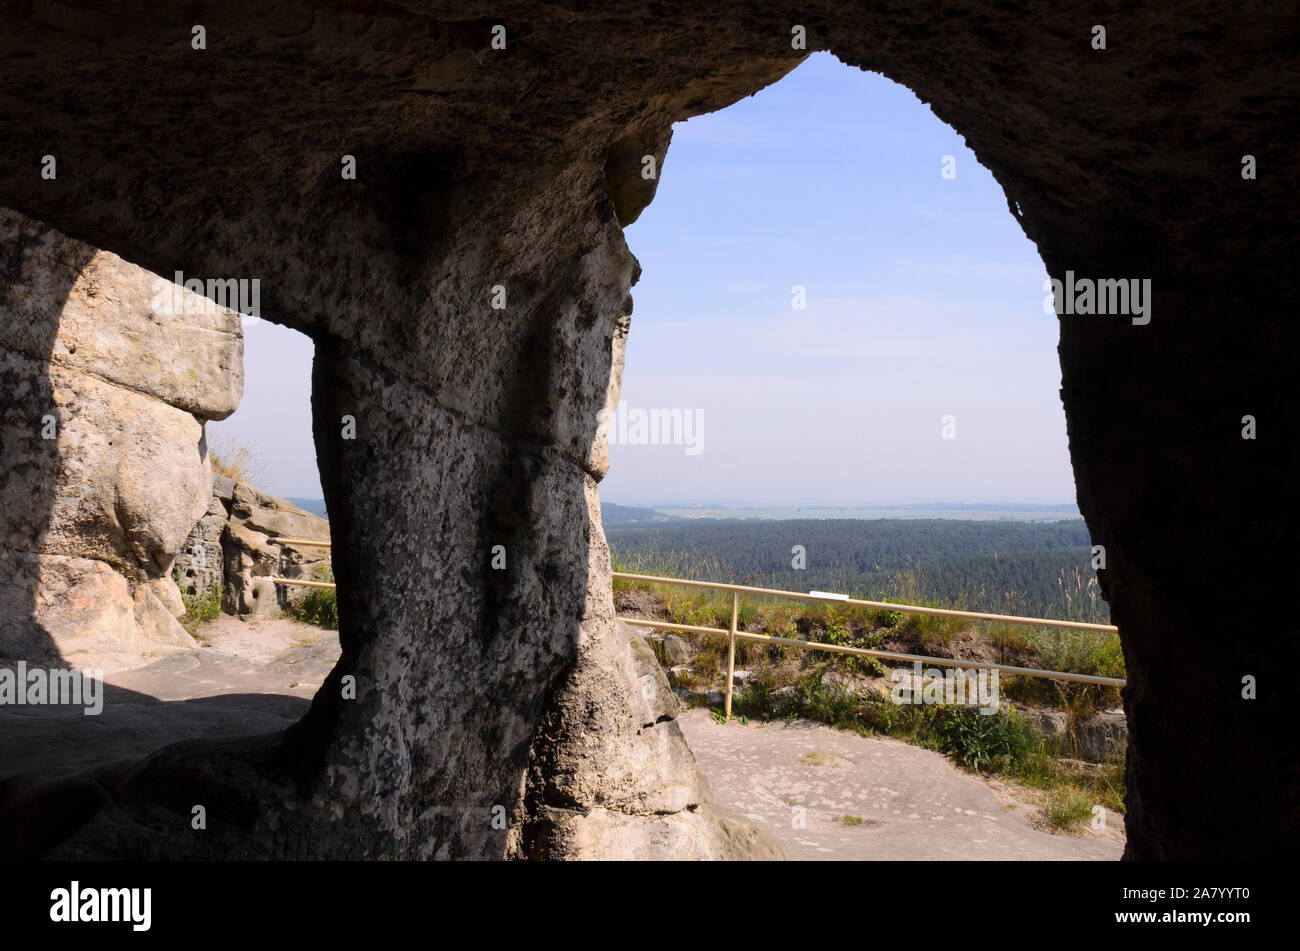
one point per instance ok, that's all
(923, 300)
(274, 417)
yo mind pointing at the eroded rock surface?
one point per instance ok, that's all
(477, 427)
(232, 546)
(613, 776)
(105, 465)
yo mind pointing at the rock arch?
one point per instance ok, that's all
(476, 427)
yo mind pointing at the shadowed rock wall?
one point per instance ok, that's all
(482, 169)
(105, 465)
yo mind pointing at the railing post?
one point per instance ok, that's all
(731, 650)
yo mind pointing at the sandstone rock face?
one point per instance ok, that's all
(231, 545)
(105, 464)
(478, 428)
(612, 776)
(1101, 738)
(1104, 737)
(200, 564)
(676, 651)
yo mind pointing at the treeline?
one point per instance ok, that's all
(1039, 569)
(612, 515)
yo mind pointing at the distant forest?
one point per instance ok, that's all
(1038, 569)
(614, 514)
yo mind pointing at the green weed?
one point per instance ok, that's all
(319, 606)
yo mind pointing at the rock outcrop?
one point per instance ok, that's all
(231, 546)
(133, 498)
(485, 172)
(1101, 738)
(612, 775)
(105, 465)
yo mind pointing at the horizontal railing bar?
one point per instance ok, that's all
(886, 655)
(882, 605)
(671, 626)
(299, 541)
(303, 584)
(948, 661)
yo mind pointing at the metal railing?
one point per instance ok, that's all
(733, 632)
(305, 542)
(825, 598)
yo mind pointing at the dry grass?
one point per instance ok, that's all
(817, 758)
(234, 459)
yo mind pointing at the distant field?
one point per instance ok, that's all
(1054, 514)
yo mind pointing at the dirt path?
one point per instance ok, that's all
(913, 803)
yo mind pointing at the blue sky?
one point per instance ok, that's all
(924, 300)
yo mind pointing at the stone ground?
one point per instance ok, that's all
(913, 802)
(247, 679)
(259, 677)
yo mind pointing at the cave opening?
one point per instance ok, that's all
(255, 572)
(836, 316)
(1122, 163)
(840, 376)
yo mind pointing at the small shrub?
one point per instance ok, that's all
(1083, 652)
(1080, 652)
(980, 743)
(834, 704)
(755, 698)
(200, 606)
(879, 714)
(889, 619)
(1068, 809)
(1108, 657)
(319, 606)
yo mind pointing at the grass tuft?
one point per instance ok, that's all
(1068, 808)
(319, 606)
(235, 460)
